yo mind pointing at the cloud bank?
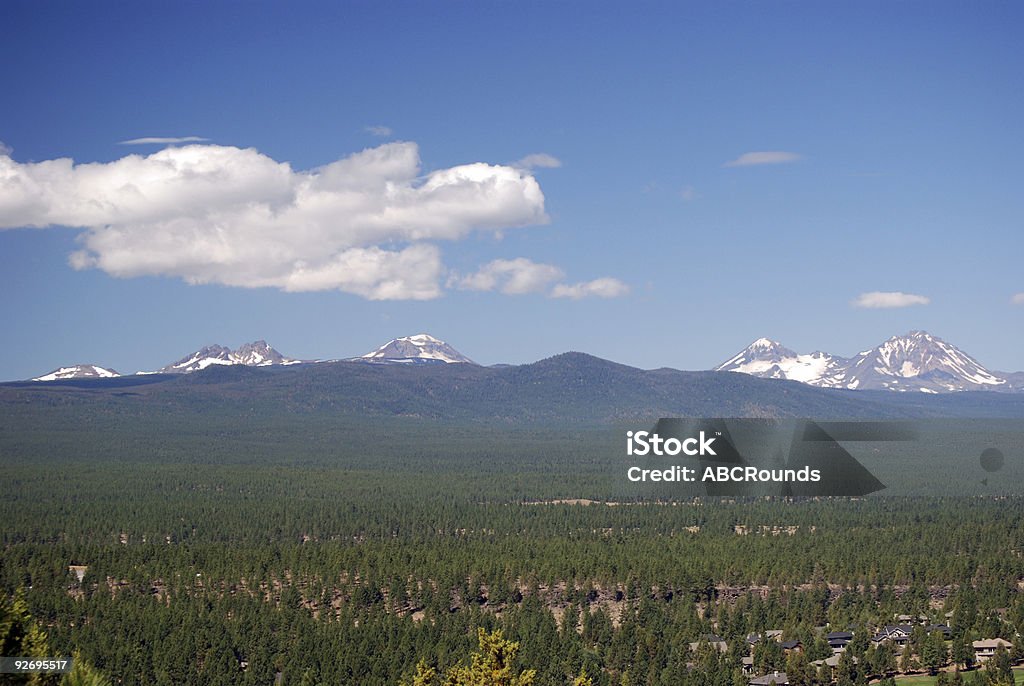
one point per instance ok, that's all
(751, 159)
(365, 224)
(882, 299)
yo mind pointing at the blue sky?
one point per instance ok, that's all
(894, 132)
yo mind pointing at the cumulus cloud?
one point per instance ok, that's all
(5, 150)
(378, 130)
(1018, 299)
(364, 224)
(512, 277)
(882, 299)
(161, 140)
(538, 160)
(606, 287)
(750, 159)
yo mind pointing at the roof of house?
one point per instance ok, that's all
(898, 631)
(839, 635)
(833, 661)
(778, 678)
(789, 645)
(991, 643)
(712, 640)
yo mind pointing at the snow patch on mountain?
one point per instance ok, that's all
(79, 371)
(917, 361)
(418, 349)
(256, 354)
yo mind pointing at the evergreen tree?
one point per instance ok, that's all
(998, 669)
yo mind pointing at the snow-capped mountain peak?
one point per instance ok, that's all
(418, 349)
(256, 354)
(921, 361)
(917, 361)
(770, 359)
(78, 371)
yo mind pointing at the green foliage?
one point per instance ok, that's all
(933, 652)
(20, 636)
(230, 537)
(999, 669)
(83, 674)
(491, 665)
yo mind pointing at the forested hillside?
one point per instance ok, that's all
(224, 546)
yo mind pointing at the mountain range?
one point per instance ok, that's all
(256, 354)
(419, 349)
(917, 361)
(570, 388)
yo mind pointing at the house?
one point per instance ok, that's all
(754, 639)
(986, 648)
(898, 634)
(838, 640)
(716, 642)
(748, 665)
(907, 619)
(777, 678)
(832, 663)
(792, 647)
(946, 632)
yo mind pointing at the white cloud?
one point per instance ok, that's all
(1017, 299)
(602, 288)
(881, 299)
(5, 150)
(364, 224)
(538, 160)
(512, 277)
(520, 276)
(750, 159)
(688, 194)
(159, 140)
(378, 130)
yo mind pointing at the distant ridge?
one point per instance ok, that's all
(917, 361)
(571, 387)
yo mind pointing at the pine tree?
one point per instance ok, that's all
(425, 676)
(962, 653)
(83, 674)
(491, 665)
(998, 669)
(583, 680)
